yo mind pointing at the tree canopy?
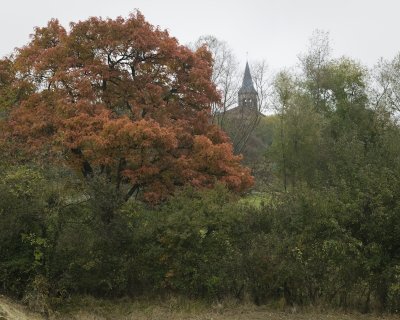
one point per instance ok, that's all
(118, 98)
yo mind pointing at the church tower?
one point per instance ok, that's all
(248, 97)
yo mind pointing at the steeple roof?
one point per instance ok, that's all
(247, 85)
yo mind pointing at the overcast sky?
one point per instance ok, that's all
(274, 30)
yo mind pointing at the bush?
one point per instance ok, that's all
(22, 214)
(192, 244)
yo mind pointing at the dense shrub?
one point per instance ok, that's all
(194, 244)
(304, 247)
(22, 236)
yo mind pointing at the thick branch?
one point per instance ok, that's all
(87, 170)
(131, 191)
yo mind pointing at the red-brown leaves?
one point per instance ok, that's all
(122, 98)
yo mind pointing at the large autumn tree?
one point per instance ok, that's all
(119, 98)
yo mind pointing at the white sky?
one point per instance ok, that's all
(274, 30)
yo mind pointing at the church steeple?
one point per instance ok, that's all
(248, 97)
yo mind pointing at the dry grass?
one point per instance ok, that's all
(13, 311)
(234, 314)
(183, 309)
(174, 309)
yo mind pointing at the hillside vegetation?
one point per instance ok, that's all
(114, 182)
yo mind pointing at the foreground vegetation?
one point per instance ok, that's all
(298, 248)
(160, 209)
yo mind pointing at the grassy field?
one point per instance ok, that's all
(86, 308)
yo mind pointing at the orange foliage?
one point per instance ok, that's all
(122, 98)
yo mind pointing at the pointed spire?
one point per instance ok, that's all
(247, 85)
